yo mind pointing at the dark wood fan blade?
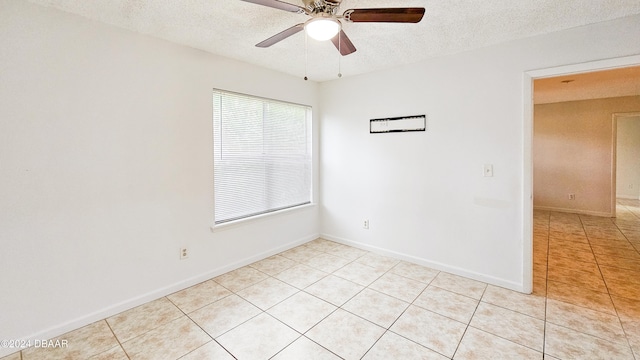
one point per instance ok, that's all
(396, 15)
(276, 4)
(281, 36)
(343, 44)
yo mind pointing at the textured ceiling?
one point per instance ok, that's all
(231, 28)
(591, 85)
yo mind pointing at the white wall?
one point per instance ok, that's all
(424, 193)
(106, 165)
(106, 170)
(628, 158)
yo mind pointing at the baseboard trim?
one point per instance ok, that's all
(573, 211)
(627, 197)
(430, 263)
(82, 321)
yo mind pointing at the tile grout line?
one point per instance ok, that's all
(356, 294)
(595, 336)
(299, 291)
(614, 305)
(603, 278)
(385, 329)
(611, 297)
(546, 287)
(469, 323)
(405, 310)
(365, 287)
(412, 303)
(350, 261)
(198, 325)
(118, 340)
(606, 286)
(625, 235)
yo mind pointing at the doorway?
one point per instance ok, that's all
(528, 190)
(627, 152)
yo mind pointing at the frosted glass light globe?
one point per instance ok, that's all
(322, 29)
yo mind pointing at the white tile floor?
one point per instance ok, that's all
(324, 300)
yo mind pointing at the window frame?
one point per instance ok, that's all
(269, 213)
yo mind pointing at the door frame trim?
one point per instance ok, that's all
(614, 153)
(527, 137)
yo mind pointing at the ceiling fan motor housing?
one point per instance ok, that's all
(322, 6)
(326, 20)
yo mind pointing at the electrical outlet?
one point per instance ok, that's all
(184, 253)
(572, 196)
(365, 224)
(630, 186)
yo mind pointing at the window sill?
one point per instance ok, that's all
(240, 222)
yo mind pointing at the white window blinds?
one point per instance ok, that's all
(262, 155)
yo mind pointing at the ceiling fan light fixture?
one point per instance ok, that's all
(322, 28)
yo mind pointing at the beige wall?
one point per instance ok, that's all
(572, 153)
(628, 158)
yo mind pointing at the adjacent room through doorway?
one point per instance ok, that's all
(586, 220)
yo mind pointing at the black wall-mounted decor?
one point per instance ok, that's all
(398, 124)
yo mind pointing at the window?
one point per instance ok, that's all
(262, 155)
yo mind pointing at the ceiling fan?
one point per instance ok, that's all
(325, 21)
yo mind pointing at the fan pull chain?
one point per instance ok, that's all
(339, 55)
(306, 55)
